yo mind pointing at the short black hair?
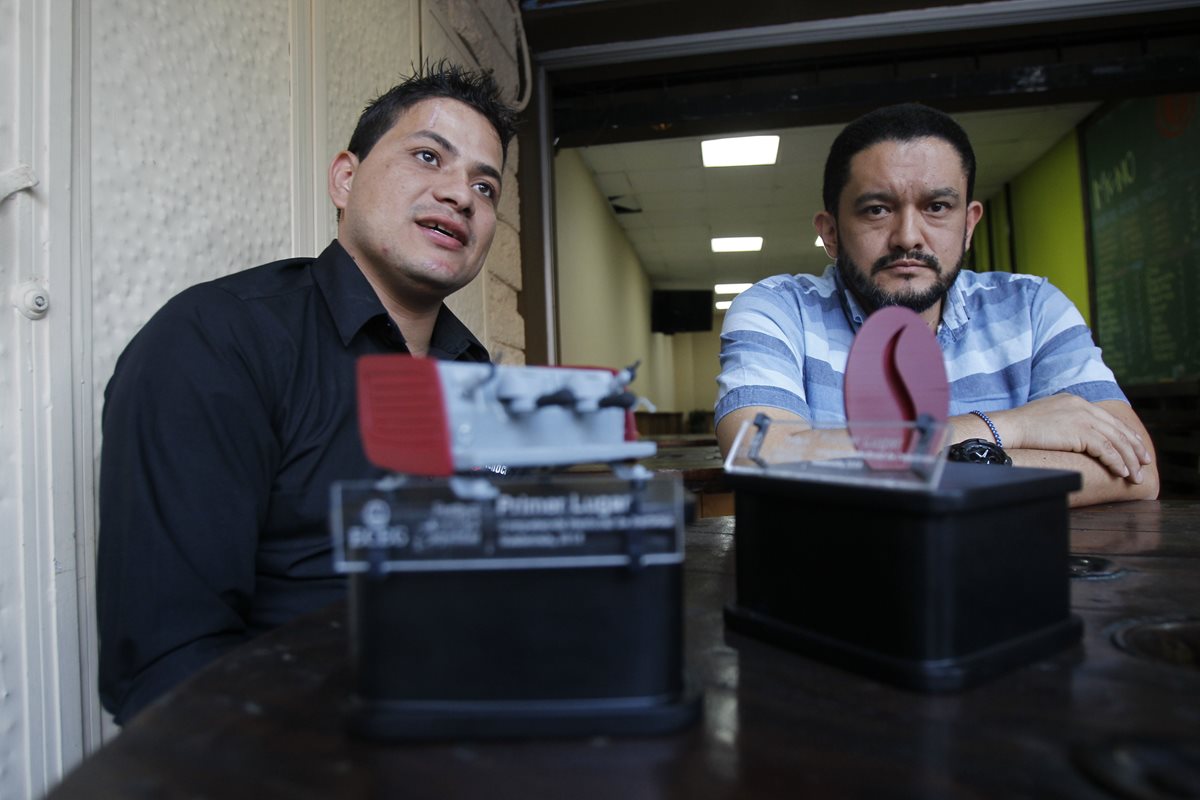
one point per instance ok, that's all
(899, 123)
(439, 79)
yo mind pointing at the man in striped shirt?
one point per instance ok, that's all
(898, 220)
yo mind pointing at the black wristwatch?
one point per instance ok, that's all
(978, 451)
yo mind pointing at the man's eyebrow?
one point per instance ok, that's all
(448, 146)
(874, 197)
(888, 197)
(490, 171)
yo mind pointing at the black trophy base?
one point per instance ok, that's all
(929, 676)
(548, 608)
(432, 720)
(931, 590)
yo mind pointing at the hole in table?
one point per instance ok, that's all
(1147, 769)
(1092, 568)
(1173, 641)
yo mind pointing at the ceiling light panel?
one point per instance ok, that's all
(739, 151)
(737, 244)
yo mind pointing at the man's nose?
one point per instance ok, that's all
(907, 234)
(455, 190)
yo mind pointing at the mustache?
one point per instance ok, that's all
(928, 259)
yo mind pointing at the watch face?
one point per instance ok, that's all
(978, 451)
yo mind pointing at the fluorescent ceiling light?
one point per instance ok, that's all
(731, 288)
(740, 151)
(737, 244)
(723, 304)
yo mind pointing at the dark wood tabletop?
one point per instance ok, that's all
(700, 465)
(1094, 721)
(694, 456)
(669, 440)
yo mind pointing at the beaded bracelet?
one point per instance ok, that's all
(991, 427)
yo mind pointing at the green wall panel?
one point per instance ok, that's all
(1047, 219)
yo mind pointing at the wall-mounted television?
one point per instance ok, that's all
(681, 310)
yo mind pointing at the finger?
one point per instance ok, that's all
(1131, 433)
(1142, 451)
(1113, 445)
(1130, 444)
(1140, 445)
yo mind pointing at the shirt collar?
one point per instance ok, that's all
(954, 310)
(351, 300)
(453, 340)
(850, 307)
(353, 304)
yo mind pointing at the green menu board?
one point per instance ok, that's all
(1143, 183)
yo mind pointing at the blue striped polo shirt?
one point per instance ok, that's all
(1007, 340)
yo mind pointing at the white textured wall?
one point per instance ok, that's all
(603, 292)
(40, 705)
(191, 165)
(203, 130)
(369, 46)
(13, 743)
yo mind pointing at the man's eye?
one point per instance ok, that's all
(939, 207)
(486, 189)
(428, 156)
(875, 211)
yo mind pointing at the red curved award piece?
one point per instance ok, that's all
(894, 373)
(402, 415)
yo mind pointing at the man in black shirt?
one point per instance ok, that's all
(233, 410)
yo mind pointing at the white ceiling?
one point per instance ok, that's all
(683, 204)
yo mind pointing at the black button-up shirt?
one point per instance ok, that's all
(227, 418)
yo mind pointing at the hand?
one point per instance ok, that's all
(1069, 423)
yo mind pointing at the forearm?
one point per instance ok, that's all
(159, 619)
(1099, 484)
(1105, 442)
(129, 693)
(731, 424)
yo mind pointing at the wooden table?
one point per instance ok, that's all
(672, 440)
(264, 721)
(697, 460)
(699, 464)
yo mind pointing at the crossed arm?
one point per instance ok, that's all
(1103, 441)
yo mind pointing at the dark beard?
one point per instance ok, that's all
(874, 298)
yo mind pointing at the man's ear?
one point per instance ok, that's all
(974, 214)
(341, 178)
(826, 226)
